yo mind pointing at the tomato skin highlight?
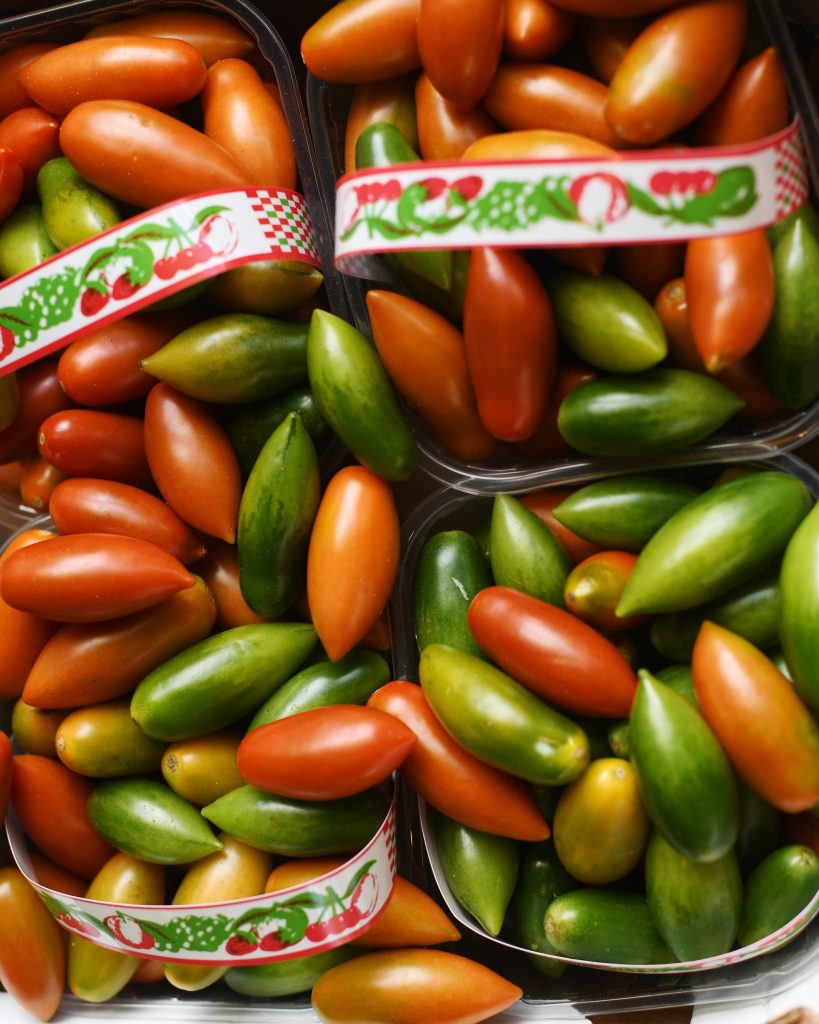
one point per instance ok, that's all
(535, 29)
(143, 156)
(765, 729)
(325, 753)
(552, 653)
(477, 39)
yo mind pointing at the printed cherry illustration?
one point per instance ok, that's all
(317, 931)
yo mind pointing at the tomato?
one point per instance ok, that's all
(11, 473)
(213, 37)
(452, 780)
(35, 729)
(424, 355)
(88, 442)
(220, 570)
(767, 732)
(552, 653)
(149, 972)
(535, 144)
(90, 577)
(674, 69)
(363, 41)
(411, 986)
(595, 586)
(390, 101)
(86, 505)
(352, 559)
(511, 342)
(444, 132)
(547, 440)
(157, 72)
(32, 955)
(648, 267)
(38, 482)
(50, 800)
(606, 41)
(615, 8)
(542, 503)
(744, 377)
(535, 29)
(11, 182)
(5, 774)
(143, 156)
(33, 136)
(40, 396)
(103, 368)
(12, 94)
(729, 282)
(192, 461)
(242, 117)
(545, 96)
(54, 877)
(752, 105)
(24, 634)
(444, 30)
(326, 753)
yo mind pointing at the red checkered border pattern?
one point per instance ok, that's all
(791, 177)
(283, 216)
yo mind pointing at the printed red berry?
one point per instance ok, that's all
(124, 287)
(237, 945)
(165, 268)
(468, 187)
(6, 341)
(92, 301)
(317, 931)
(271, 942)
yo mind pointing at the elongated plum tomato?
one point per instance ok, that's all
(33, 136)
(443, 30)
(40, 395)
(752, 105)
(535, 29)
(444, 132)
(158, 72)
(90, 577)
(142, 156)
(363, 41)
(552, 653)
(326, 753)
(90, 442)
(594, 587)
(5, 774)
(535, 144)
(11, 182)
(12, 94)
(615, 8)
(214, 38)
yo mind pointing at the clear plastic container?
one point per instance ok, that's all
(590, 991)
(328, 105)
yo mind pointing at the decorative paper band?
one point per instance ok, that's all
(652, 196)
(319, 915)
(143, 260)
(781, 937)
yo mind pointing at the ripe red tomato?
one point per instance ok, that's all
(474, 33)
(12, 94)
(40, 396)
(38, 482)
(11, 182)
(324, 754)
(535, 29)
(32, 135)
(89, 442)
(752, 105)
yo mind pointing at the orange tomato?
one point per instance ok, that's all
(390, 101)
(32, 135)
(648, 267)
(594, 587)
(32, 955)
(50, 800)
(220, 570)
(213, 37)
(591, 258)
(352, 559)
(606, 41)
(535, 29)
(674, 69)
(535, 144)
(472, 29)
(444, 132)
(547, 440)
(542, 503)
(729, 281)
(5, 774)
(38, 482)
(752, 105)
(615, 8)
(424, 355)
(12, 94)
(242, 117)
(363, 41)
(11, 473)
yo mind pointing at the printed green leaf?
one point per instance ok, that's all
(209, 211)
(643, 201)
(362, 871)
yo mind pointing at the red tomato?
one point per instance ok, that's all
(606, 41)
(143, 156)
(38, 482)
(242, 117)
(547, 440)
(157, 72)
(324, 754)
(413, 986)
(5, 774)
(12, 95)
(86, 505)
(752, 105)
(648, 267)
(535, 144)
(615, 8)
(674, 69)
(730, 285)
(424, 355)
(535, 29)
(511, 342)
(50, 800)
(452, 780)
(213, 37)
(220, 570)
(474, 32)
(40, 396)
(352, 559)
(88, 442)
(11, 183)
(552, 653)
(11, 473)
(32, 955)
(542, 503)
(90, 577)
(363, 41)
(33, 136)
(103, 367)
(767, 732)
(24, 635)
(594, 587)
(192, 461)
(444, 132)
(545, 96)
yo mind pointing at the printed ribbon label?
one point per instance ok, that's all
(635, 197)
(143, 260)
(321, 914)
